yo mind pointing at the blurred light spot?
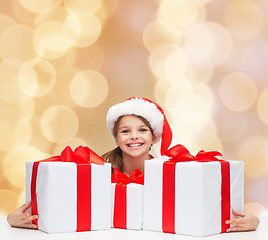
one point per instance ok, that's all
(255, 207)
(155, 150)
(188, 110)
(38, 138)
(232, 127)
(201, 18)
(207, 138)
(155, 35)
(204, 138)
(160, 90)
(3, 212)
(64, 78)
(14, 135)
(83, 5)
(138, 22)
(8, 200)
(180, 134)
(238, 91)
(252, 152)
(59, 123)
(37, 77)
(177, 63)
(14, 163)
(199, 73)
(184, 30)
(181, 87)
(73, 143)
(107, 9)
(207, 142)
(243, 19)
(159, 57)
(251, 58)
(88, 88)
(21, 199)
(58, 14)
(205, 92)
(82, 28)
(40, 6)
(22, 14)
(255, 192)
(61, 65)
(262, 106)
(16, 114)
(177, 13)
(50, 41)
(9, 87)
(22, 50)
(195, 3)
(27, 80)
(5, 22)
(91, 57)
(208, 44)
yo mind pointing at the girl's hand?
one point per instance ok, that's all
(20, 218)
(245, 222)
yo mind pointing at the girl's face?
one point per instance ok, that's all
(134, 137)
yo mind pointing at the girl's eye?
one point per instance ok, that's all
(143, 130)
(124, 131)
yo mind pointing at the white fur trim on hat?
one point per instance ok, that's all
(139, 107)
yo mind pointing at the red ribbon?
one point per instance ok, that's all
(120, 196)
(179, 153)
(82, 156)
(135, 176)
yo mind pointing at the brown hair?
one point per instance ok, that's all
(115, 156)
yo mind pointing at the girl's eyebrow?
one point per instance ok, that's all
(144, 125)
(123, 127)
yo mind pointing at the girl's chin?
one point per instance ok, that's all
(134, 148)
(136, 153)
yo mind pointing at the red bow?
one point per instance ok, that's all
(79, 155)
(136, 176)
(179, 153)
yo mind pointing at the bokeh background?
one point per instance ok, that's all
(63, 63)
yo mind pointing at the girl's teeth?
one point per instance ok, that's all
(135, 145)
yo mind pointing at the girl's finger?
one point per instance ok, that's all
(30, 225)
(25, 206)
(238, 221)
(240, 214)
(234, 229)
(31, 218)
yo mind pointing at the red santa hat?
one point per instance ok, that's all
(147, 109)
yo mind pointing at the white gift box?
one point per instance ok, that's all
(56, 192)
(197, 195)
(134, 205)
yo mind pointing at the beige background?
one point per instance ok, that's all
(63, 63)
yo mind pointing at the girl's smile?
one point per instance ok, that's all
(134, 145)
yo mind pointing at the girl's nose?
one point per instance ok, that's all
(134, 135)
